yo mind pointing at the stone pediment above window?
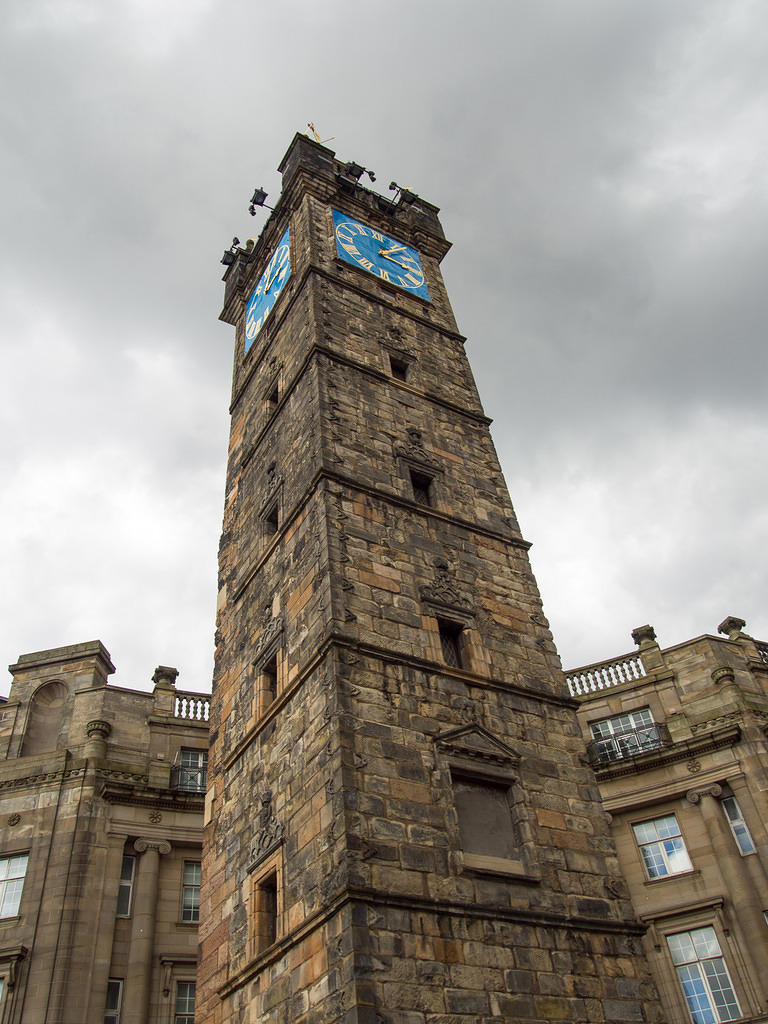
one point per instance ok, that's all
(268, 834)
(273, 627)
(478, 749)
(414, 452)
(273, 482)
(443, 594)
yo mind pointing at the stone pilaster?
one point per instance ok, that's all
(139, 979)
(742, 913)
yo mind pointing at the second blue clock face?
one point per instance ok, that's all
(382, 256)
(268, 289)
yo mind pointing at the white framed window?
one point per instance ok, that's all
(125, 889)
(703, 976)
(190, 891)
(738, 825)
(114, 1001)
(184, 1011)
(12, 872)
(190, 774)
(626, 735)
(662, 847)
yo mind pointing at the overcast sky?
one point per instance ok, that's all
(602, 171)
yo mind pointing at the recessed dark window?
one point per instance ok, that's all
(485, 817)
(269, 680)
(266, 912)
(422, 487)
(398, 367)
(271, 520)
(450, 641)
(273, 397)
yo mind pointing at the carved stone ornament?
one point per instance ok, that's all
(14, 819)
(644, 636)
(693, 796)
(269, 634)
(732, 627)
(98, 728)
(164, 677)
(274, 480)
(161, 845)
(443, 592)
(269, 833)
(723, 674)
(732, 718)
(414, 451)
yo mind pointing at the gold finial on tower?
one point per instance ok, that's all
(316, 134)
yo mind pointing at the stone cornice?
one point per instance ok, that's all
(65, 655)
(387, 496)
(342, 642)
(23, 781)
(168, 800)
(179, 724)
(506, 915)
(342, 357)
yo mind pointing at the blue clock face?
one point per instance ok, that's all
(266, 292)
(382, 256)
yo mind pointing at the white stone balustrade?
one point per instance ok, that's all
(604, 674)
(193, 707)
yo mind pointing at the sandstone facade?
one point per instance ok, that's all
(100, 843)
(678, 740)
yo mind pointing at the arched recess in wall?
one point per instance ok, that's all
(46, 710)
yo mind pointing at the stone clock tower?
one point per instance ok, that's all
(400, 827)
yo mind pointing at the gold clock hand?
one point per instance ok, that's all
(393, 260)
(395, 248)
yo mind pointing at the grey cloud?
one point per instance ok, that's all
(600, 169)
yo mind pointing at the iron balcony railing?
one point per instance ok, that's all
(188, 780)
(628, 744)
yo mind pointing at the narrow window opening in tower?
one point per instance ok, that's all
(421, 485)
(399, 368)
(273, 397)
(269, 681)
(265, 912)
(271, 520)
(450, 641)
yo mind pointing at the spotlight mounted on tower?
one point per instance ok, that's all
(403, 193)
(230, 254)
(257, 199)
(356, 171)
(349, 178)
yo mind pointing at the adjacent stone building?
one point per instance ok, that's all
(677, 738)
(400, 827)
(101, 800)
